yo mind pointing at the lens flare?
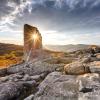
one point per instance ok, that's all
(35, 36)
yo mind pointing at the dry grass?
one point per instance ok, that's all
(10, 59)
(4, 63)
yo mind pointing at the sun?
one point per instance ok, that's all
(34, 36)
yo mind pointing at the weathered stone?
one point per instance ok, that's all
(10, 90)
(4, 79)
(14, 77)
(29, 83)
(86, 60)
(98, 55)
(94, 59)
(31, 97)
(56, 86)
(94, 49)
(76, 68)
(90, 80)
(33, 68)
(32, 40)
(44, 74)
(3, 72)
(36, 77)
(95, 67)
(15, 69)
(26, 78)
(89, 86)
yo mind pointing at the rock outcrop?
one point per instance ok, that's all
(95, 67)
(38, 67)
(18, 86)
(57, 87)
(32, 40)
(76, 68)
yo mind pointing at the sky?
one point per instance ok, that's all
(60, 22)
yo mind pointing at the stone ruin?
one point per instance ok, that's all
(32, 40)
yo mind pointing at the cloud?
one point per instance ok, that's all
(13, 8)
(16, 8)
(49, 32)
(53, 17)
(72, 4)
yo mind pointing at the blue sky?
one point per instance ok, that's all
(59, 21)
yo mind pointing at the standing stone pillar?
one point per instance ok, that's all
(32, 40)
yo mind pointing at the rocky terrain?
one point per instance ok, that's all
(72, 77)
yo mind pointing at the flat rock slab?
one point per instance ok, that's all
(57, 86)
(34, 68)
(16, 86)
(15, 90)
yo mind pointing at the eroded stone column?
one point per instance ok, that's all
(32, 40)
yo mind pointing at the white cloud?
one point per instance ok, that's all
(17, 11)
(73, 3)
(49, 31)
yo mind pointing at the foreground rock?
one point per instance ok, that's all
(18, 86)
(76, 68)
(57, 86)
(89, 87)
(15, 90)
(98, 55)
(34, 68)
(3, 72)
(95, 67)
(69, 87)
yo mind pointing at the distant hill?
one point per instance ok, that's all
(7, 48)
(66, 48)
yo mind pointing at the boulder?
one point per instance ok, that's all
(10, 90)
(36, 77)
(26, 77)
(56, 86)
(31, 68)
(76, 68)
(89, 86)
(89, 59)
(98, 55)
(89, 80)
(86, 60)
(94, 59)
(95, 67)
(4, 79)
(31, 97)
(3, 72)
(15, 69)
(16, 90)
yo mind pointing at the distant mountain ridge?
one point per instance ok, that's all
(67, 48)
(7, 48)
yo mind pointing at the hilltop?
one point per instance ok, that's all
(57, 75)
